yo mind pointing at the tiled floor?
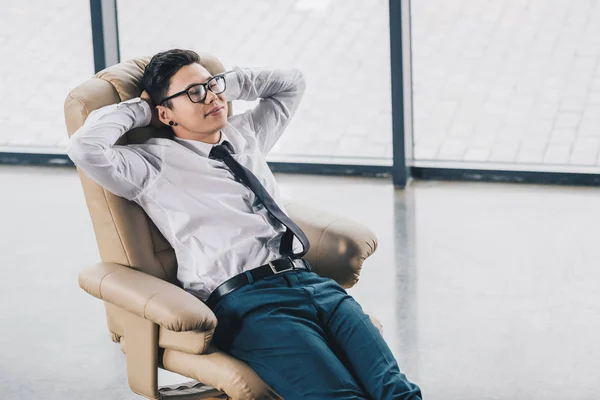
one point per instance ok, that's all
(486, 291)
(507, 81)
(341, 46)
(504, 82)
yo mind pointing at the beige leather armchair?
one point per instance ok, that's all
(156, 322)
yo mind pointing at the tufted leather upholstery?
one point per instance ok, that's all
(156, 322)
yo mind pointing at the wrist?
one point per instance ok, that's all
(142, 114)
(232, 89)
(147, 117)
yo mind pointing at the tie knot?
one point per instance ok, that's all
(221, 151)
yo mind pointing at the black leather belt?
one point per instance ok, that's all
(274, 267)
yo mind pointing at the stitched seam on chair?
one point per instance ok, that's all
(116, 228)
(100, 283)
(207, 337)
(148, 219)
(148, 301)
(243, 384)
(372, 245)
(80, 102)
(246, 388)
(112, 86)
(160, 262)
(322, 236)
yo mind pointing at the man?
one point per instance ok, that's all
(211, 193)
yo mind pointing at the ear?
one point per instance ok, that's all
(164, 114)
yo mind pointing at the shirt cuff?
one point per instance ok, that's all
(232, 84)
(141, 111)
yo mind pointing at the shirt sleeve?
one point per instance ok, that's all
(123, 170)
(279, 91)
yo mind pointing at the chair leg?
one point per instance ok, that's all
(141, 346)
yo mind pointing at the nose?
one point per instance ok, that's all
(210, 97)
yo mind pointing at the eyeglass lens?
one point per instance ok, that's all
(198, 93)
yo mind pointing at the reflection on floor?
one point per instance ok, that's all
(485, 291)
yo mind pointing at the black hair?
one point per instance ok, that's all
(161, 68)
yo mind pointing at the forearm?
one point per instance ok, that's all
(249, 84)
(103, 127)
(280, 92)
(92, 148)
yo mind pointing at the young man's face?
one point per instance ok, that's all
(194, 117)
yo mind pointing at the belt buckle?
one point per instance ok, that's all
(292, 268)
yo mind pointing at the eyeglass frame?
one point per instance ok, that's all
(206, 89)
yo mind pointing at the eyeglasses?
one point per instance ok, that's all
(197, 93)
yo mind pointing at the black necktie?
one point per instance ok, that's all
(222, 152)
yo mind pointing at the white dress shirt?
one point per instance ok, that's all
(213, 222)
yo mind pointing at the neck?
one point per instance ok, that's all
(211, 137)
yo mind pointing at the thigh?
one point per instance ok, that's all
(366, 352)
(287, 349)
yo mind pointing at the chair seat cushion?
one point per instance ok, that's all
(221, 371)
(215, 368)
(192, 342)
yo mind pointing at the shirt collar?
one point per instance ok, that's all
(204, 148)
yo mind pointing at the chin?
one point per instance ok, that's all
(222, 122)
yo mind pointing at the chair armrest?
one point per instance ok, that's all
(147, 296)
(338, 245)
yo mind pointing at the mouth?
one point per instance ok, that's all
(214, 111)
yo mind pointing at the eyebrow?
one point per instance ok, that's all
(197, 83)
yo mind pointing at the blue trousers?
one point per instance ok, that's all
(307, 338)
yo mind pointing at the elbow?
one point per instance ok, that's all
(79, 151)
(300, 81)
(75, 149)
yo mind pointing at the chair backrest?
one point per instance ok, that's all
(124, 233)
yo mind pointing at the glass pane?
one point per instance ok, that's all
(47, 51)
(509, 82)
(341, 46)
